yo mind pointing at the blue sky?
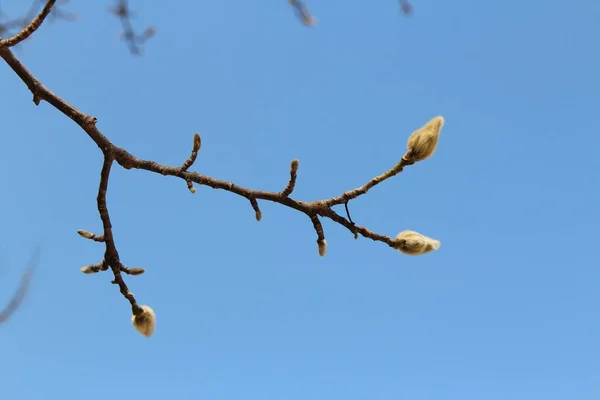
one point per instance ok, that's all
(506, 309)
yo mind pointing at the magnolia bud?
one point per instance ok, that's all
(89, 269)
(85, 234)
(322, 244)
(423, 142)
(258, 215)
(145, 322)
(197, 142)
(294, 165)
(136, 271)
(415, 244)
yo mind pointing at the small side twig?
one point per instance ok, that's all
(292, 182)
(321, 242)
(257, 212)
(191, 159)
(29, 29)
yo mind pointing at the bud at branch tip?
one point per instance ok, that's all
(145, 322)
(422, 143)
(294, 165)
(322, 246)
(85, 234)
(414, 244)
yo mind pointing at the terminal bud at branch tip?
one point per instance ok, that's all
(145, 322)
(322, 245)
(136, 271)
(197, 142)
(258, 215)
(88, 269)
(415, 244)
(294, 165)
(422, 143)
(85, 234)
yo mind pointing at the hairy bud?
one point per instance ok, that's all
(322, 245)
(85, 234)
(258, 215)
(136, 271)
(90, 269)
(422, 143)
(145, 322)
(294, 165)
(197, 142)
(415, 244)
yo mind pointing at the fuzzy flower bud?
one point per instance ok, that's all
(197, 142)
(145, 322)
(136, 271)
(85, 234)
(258, 215)
(90, 269)
(423, 142)
(294, 165)
(415, 244)
(322, 244)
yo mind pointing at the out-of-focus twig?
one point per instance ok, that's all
(21, 292)
(20, 29)
(134, 40)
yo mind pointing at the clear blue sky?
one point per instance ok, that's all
(506, 309)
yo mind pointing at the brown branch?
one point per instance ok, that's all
(354, 193)
(29, 29)
(111, 255)
(112, 153)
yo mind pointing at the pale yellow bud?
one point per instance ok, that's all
(197, 142)
(85, 234)
(145, 322)
(90, 269)
(322, 245)
(136, 271)
(415, 244)
(294, 165)
(423, 142)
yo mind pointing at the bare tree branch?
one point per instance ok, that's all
(421, 145)
(112, 153)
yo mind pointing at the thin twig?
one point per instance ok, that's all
(29, 29)
(21, 292)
